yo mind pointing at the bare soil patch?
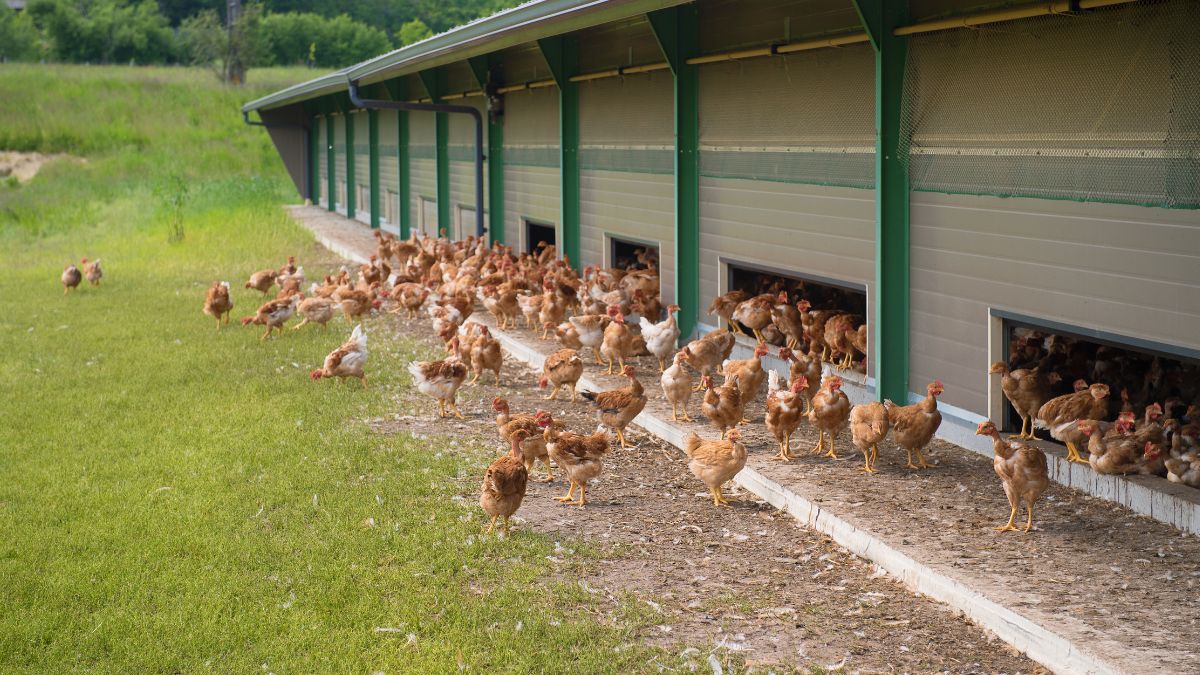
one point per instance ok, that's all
(748, 582)
(24, 165)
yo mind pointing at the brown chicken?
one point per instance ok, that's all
(273, 314)
(440, 380)
(755, 314)
(1022, 471)
(262, 280)
(913, 426)
(617, 407)
(1114, 451)
(485, 354)
(410, 296)
(70, 278)
(807, 366)
(749, 375)
(580, 457)
(217, 303)
(315, 310)
(92, 271)
(787, 320)
(869, 425)
(676, 384)
(1027, 390)
(504, 484)
(721, 405)
(347, 360)
(553, 311)
(356, 303)
(706, 354)
(715, 462)
(618, 340)
(533, 447)
(724, 306)
(829, 413)
(502, 305)
(838, 330)
(785, 409)
(504, 415)
(568, 337)
(561, 369)
(1060, 414)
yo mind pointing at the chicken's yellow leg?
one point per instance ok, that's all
(218, 324)
(910, 464)
(1073, 453)
(506, 526)
(686, 417)
(364, 381)
(820, 442)
(610, 366)
(596, 355)
(922, 463)
(674, 412)
(570, 496)
(454, 407)
(297, 326)
(1009, 525)
(582, 495)
(553, 394)
(493, 525)
(441, 408)
(1029, 521)
(832, 454)
(549, 470)
(572, 392)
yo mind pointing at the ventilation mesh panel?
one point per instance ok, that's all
(1099, 106)
(628, 123)
(802, 118)
(422, 135)
(531, 127)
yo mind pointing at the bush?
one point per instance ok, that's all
(295, 38)
(19, 40)
(105, 31)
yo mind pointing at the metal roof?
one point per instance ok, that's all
(511, 27)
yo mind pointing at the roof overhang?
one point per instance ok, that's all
(519, 25)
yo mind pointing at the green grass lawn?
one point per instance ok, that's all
(174, 499)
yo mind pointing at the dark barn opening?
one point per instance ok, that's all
(633, 255)
(821, 293)
(537, 233)
(1137, 376)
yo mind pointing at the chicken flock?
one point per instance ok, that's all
(589, 314)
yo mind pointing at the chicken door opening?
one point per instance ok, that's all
(1151, 388)
(798, 312)
(632, 255)
(537, 236)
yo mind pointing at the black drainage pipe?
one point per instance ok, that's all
(380, 104)
(308, 158)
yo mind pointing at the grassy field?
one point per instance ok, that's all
(176, 499)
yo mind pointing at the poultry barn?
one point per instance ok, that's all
(973, 182)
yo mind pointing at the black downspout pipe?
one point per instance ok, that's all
(380, 104)
(308, 158)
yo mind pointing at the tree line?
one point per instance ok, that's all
(316, 33)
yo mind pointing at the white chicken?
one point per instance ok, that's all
(661, 338)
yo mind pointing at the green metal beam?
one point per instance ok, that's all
(675, 30)
(350, 196)
(435, 87)
(562, 56)
(486, 70)
(891, 349)
(373, 140)
(330, 165)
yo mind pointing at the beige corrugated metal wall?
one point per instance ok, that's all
(422, 147)
(389, 171)
(626, 151)
(339, 172)
(531, 174)
(362, 167)
(784, 182)
(1129, 270)
(322, 164)
(462, 165)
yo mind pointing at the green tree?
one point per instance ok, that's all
(412, 31)
(304, 38)
(19, 38)
(205, 41)
(105, 31)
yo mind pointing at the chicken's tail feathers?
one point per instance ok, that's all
(773, 381)
(690, 443)
(589, 395)
(645, 324)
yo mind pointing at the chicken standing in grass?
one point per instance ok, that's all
(869, 425)
(92, 271)
(347, 360)
(440, 380)
(1022, 471)
(70, 278)
(677, 387)
(715, 462)
(262, 280)
(273, 314)
(315, 310)
(504, 484)
(217, 303)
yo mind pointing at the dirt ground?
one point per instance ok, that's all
(23, 165)
(748, 581)
(1124, 585)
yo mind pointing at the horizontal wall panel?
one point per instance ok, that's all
(1126, 270)
(531, 128)
(462, 159)
(529, 193)
(389, 167)
(807, 230)
(362, 165)
(322, 160)
(637, 206)
(339, 165)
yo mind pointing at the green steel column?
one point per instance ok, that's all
(373, 164)
(398, 90)
(330, 166)
(314, 153)
(562, 56)
(433, 86)
(485, 69)
(350, 196)
(881, 18)
(675, 30)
